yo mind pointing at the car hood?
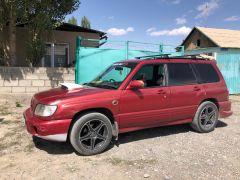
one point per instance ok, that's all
(55, 95)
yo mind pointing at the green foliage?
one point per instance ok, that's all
(1, 56)
(73, 21)
(85, 22)
(39, 16)
(18, 104)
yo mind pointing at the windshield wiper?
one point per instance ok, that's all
(107, 86)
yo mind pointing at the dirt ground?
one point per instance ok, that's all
(173, 152)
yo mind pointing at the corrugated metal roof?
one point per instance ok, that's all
(224, 38)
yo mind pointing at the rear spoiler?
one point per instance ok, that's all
(70, 86)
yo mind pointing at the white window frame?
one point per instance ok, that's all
(53, 52)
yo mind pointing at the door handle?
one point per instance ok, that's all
(162, 92)
(196, 88)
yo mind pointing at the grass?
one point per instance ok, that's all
(29, 147)
(140, 163)
(18, 104)
(10, 165)
(4, 110)
(10, 139)
(12, 122)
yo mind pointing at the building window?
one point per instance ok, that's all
(198, 43)
(57, 55)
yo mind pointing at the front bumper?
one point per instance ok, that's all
(225, 109)
(54, 130)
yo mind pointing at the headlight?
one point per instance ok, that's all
(45, 110)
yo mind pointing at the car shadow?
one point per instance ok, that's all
(158, 132)
(52, 147)
(65, 148)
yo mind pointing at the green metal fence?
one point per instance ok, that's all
(91, 61)
(228, 61)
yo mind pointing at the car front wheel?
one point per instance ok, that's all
(91, 134)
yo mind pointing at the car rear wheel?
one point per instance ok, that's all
(206, 117)
(91, 134)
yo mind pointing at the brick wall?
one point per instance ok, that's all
(32, 80)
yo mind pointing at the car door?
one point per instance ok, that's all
(186, 92)
(147, 106)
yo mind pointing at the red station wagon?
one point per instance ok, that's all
(131, 95)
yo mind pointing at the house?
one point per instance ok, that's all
(60, 45)
(223, 45)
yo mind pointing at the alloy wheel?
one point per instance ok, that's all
(93, 134)
(208, 117)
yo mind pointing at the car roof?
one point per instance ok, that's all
(171, 60)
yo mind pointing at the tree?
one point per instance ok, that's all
(39, 16)
(73, 21)
(85, 22)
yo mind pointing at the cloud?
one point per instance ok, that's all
(182, 31)
(119, 31)
(207, 8)
(181, 20)
(150, 29)
(232, 18)
(110, 17)
(172, 1)
(130, 29)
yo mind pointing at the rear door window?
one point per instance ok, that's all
(180, 74)
(207, 73)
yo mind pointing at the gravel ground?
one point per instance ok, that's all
(173, 152)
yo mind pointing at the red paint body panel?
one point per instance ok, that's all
(36, 126)
(136, 109)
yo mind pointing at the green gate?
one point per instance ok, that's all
(91, 61)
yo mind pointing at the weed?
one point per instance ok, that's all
(4, 110)
(29, 147)
(18, 104)
(139, 162)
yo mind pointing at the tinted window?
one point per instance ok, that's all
(152, 75)
(207, 73)
(180, 74)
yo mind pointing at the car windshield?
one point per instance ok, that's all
(114, 76)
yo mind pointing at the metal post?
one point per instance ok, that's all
(161, 48)
(78, 46)
(126, 49)
(52, 55)
(182, 50)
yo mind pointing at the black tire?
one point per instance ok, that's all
(91, 134)
(206, 117)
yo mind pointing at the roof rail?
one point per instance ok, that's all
(156, 56)
(168, 56)
(195, 57)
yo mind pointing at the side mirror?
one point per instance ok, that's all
(135, 84)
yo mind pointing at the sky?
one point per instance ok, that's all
(157, 21)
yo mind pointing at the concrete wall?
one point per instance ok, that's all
(32, 80)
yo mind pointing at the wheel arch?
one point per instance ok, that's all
(213, 100)
(101, 110)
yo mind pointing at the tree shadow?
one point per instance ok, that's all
(66, 148)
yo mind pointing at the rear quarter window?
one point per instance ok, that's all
(207, 73)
